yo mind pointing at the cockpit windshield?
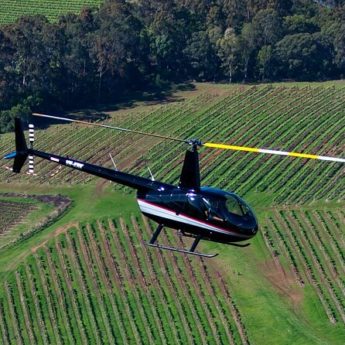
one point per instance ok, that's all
(235, 206)
(222, 209)
(226, 207)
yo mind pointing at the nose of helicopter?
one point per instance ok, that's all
(255, 230)
(250, 226)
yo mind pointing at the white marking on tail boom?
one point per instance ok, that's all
(74, 164)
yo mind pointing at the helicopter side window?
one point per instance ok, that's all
(235, 207)
(214, 209)
(195, 205)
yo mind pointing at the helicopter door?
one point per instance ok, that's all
(213, 209)
(195, 206)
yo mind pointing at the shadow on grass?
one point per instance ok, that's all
(98, 113)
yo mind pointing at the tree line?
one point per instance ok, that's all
(105, 53)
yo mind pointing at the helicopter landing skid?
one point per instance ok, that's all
(185, 251)
(191, 251)
(238, 244)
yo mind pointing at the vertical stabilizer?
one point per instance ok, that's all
(21, 152)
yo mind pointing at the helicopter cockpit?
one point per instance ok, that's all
(236, 206)
(229, 208)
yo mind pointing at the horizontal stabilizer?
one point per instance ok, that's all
(11, 155)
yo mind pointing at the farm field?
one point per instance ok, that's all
(126, 294)
(10, 10)
(12, 212)
(311, 244)
(310, 119)
(21, 215)
(107, 287)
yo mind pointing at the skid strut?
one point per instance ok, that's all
(191, 251)
(156, 234)
(195, 243)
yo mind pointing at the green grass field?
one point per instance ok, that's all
(10, 10)
(105, 286)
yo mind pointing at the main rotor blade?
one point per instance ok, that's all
(110, 127)
(198, 143)
(273, 152)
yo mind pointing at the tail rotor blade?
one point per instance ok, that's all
(273, 152)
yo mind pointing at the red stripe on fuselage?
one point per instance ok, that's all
(196, 219)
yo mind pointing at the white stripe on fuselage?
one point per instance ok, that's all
(155, 210)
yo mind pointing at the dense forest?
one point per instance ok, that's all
(106, 53)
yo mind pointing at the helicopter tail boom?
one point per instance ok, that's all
(129, 180)
(22, 152)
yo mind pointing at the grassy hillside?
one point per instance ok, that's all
(106, 287)
(309, 119)
(10, 10)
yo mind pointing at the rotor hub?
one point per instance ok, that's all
(195, 143)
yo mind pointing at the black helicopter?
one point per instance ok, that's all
(195, 211)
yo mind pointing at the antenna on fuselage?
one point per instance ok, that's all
(152, 177)
(112, 159)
